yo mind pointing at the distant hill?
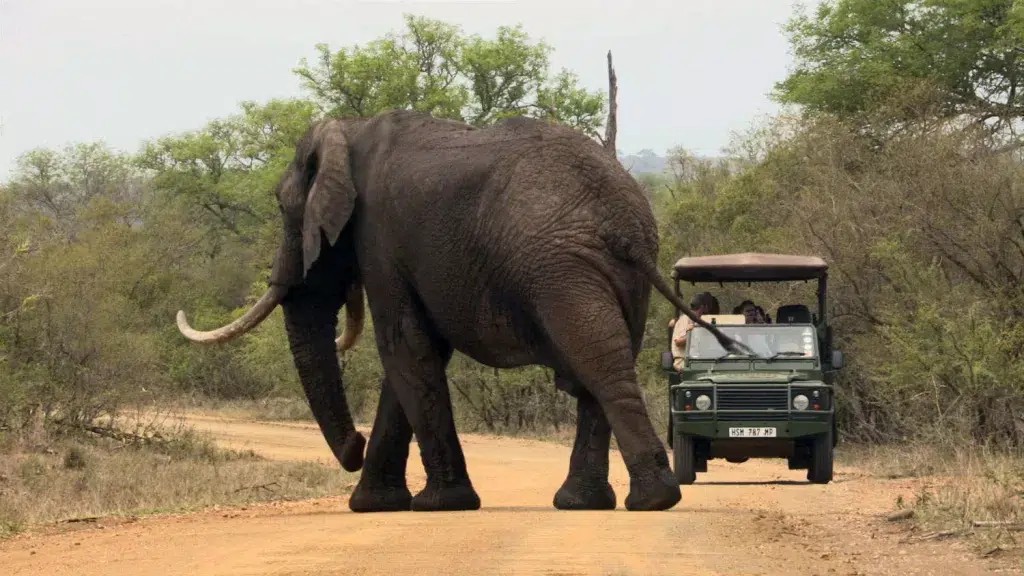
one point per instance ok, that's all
(644, 162)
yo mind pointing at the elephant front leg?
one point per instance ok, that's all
(415, 358)
(587, 486)
(382, 485)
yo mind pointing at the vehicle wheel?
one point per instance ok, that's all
(820, 470)
(684, 459)
(737, 460)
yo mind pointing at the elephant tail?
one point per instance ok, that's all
(355, 317)
(651, 271)
(626, 250)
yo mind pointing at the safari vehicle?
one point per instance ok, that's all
(776, 403)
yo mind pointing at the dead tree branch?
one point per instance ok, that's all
(612, 126)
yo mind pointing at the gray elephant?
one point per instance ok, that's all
(522, 243)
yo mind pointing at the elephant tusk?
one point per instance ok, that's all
(259, 311)
(354, 318)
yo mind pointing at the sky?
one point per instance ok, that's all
(690, 72)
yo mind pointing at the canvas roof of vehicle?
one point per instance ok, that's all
(749, 267)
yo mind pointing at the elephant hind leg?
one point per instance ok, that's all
(415, 358)
(587, 487)
(599, 356)
(382, 485)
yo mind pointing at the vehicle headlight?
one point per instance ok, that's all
(800, 402)
(703, 402)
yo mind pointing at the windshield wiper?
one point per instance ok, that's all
(736, 354)
(785, 353)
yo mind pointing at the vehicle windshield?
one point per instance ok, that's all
(766, 340)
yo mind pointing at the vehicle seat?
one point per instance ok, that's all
(724, 318)
(793, 314)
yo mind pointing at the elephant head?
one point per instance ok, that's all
(314, 274)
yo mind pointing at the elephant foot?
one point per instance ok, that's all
(380, 498)
(652, 486)
(449, 498)
(579, 494)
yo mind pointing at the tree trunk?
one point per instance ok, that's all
(611, 128)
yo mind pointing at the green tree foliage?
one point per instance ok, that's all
(434, 67)
(226, 171)
(925, 239)
(896, 62)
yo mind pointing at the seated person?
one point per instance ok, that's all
(750, 311)
(766, 319)
(701, 304)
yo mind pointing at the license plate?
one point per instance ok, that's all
(751, 432)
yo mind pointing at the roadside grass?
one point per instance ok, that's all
(297, 410)
(278, 409)
(977, 493)
(63, 477)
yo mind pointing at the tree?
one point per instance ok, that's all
(228, 169)
(56, 185)
(895, 63)
(433, 67)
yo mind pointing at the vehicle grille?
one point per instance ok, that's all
(753, 398)
(747, 416)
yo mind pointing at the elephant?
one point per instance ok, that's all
(522, 243)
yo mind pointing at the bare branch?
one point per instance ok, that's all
(612, 127)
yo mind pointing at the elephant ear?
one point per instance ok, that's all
(332, 193)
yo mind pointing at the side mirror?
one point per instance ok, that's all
(667, 361)
(837, 359)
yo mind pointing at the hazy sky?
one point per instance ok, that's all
(690, 71)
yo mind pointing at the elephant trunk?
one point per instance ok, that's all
(311, 323)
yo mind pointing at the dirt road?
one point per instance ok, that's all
(753, 518)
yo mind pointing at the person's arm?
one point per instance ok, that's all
(678, 336)
(682, 331)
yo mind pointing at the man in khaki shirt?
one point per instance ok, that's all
(701, 304)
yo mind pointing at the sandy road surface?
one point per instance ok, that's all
(754, 518)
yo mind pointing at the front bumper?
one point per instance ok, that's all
(784, 430)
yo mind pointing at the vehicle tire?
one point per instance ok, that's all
(701, 464)
(736, 460)
(684, 459)
(820, 470)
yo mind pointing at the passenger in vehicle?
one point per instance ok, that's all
(715, 308)
(701, 304)
(750, 311)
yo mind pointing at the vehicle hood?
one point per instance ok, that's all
(753, 377)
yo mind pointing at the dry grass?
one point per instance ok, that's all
(297, 410)
(75, 477)
(268, 409)
(962, 487)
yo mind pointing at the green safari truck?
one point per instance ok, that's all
(775, 403)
